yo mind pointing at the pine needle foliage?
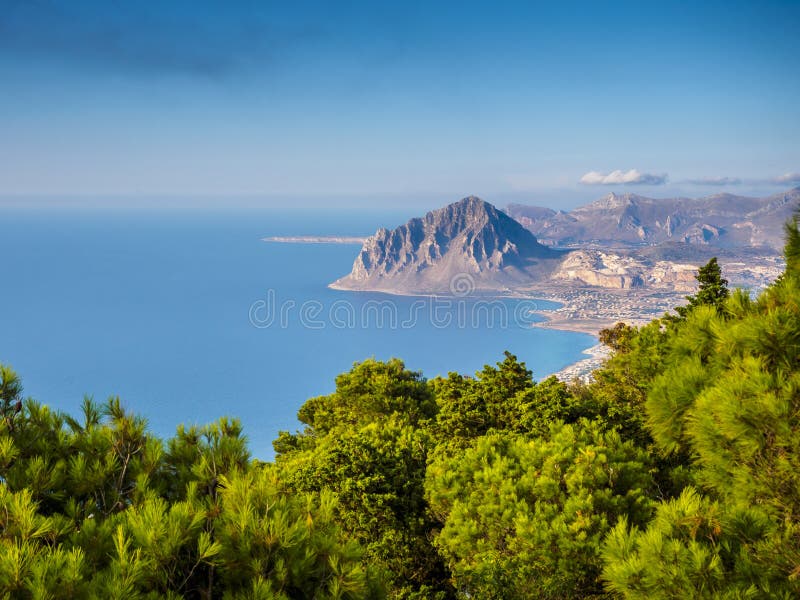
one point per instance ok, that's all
(96, 507)
(727, 399)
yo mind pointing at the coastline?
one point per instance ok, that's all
(597, 354)
(583, 309)
(554, 319)
(582, 370)
(313, 239)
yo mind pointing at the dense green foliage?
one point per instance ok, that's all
(726, 400)
(368, 443)
(97, 507)
(517, 510)
(675, 473)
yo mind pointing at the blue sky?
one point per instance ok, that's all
(403, 103)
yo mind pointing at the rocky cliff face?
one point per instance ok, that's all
(469, 239)
(722, 220)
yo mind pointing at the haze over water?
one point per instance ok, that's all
(159, 308)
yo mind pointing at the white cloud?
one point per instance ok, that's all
(715, 181)
(787, 178)
(632, 177)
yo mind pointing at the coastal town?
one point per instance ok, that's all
(589, 309)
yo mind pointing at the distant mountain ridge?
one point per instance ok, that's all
(467, 238)
(721, 220)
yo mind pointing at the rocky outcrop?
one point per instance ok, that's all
(469, 239)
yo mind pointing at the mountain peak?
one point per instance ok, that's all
(470, 237)
(613, 200)
(471, 205)
(471, 201)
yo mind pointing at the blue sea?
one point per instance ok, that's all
(191, 316)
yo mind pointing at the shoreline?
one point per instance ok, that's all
(488, 293)
(586, 310)
(314, 239)
(581, 369)
(561, 318)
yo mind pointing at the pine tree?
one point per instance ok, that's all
(791, 250)
(713, 290)
(727, 397)
(367, 443)
(10, 395)
(94, 507)
(522, 518)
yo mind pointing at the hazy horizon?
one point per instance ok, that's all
(395, 204)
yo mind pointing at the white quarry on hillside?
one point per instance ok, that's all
(593, 267)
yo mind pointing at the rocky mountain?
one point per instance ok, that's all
(621, 242)
(722, 221)
(469, 245)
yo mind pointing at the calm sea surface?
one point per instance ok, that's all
(188, 317)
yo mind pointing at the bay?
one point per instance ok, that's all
(189, 316)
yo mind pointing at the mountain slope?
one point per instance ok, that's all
(721, 220)
(466, 244)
